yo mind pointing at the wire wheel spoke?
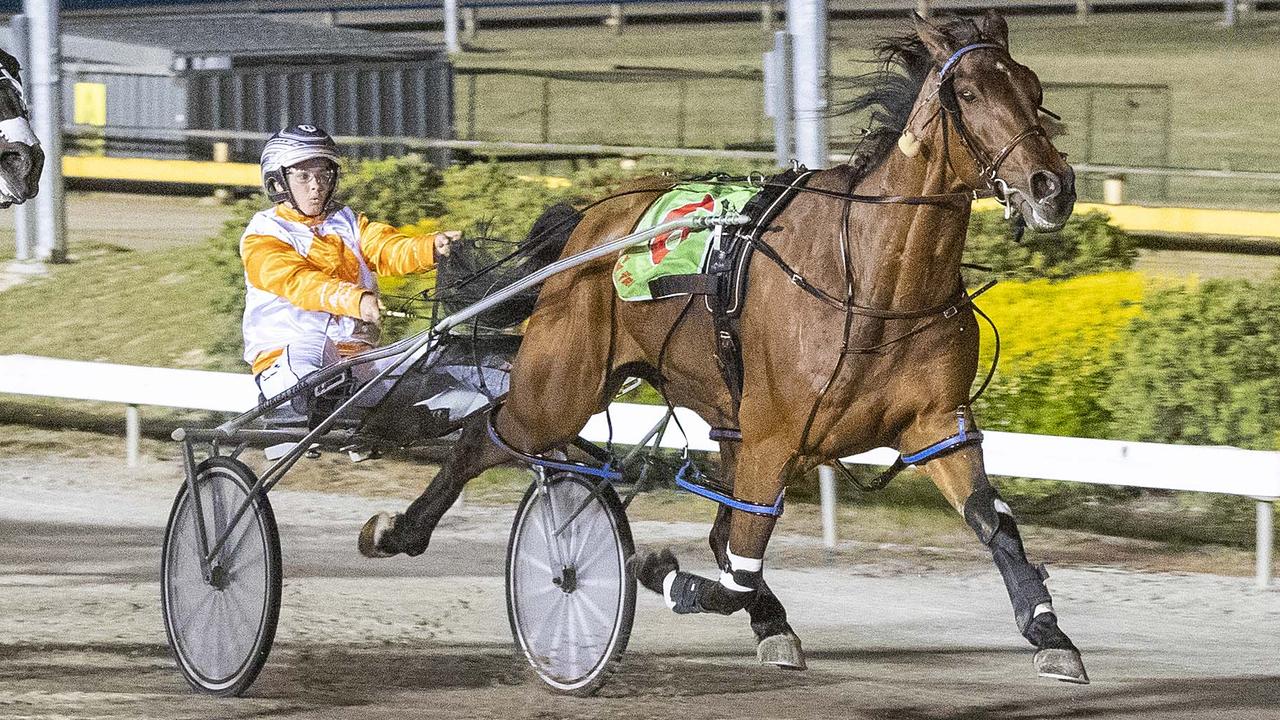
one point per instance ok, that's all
(571, 632)
(221, 628)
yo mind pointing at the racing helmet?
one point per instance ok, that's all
(289, 147)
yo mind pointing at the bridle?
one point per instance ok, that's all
(988, 165)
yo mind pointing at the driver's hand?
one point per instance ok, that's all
(369, 308)
(446, 239)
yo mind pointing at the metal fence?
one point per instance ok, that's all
(1107, 124)
(371, 99)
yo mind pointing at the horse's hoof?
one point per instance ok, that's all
(372, 533)
(782, 651)
(1061, 664)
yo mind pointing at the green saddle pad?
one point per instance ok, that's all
(678, 252)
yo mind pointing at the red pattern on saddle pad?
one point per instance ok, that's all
(664, 243)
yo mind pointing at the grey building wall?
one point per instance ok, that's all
(366, 99)
(147, 103)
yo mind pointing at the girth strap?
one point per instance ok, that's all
(692, 284)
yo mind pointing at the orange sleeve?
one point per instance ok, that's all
(390, 252)
(272, 264)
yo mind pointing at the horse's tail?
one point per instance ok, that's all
(548, 236)
(463, 268)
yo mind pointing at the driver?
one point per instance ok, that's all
(311, 265)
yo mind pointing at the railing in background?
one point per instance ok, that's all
(1187, 468)
(1114, 179)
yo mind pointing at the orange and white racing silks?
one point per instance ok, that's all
(305, 277)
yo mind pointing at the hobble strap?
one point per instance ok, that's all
(684, 482)
(964, 436)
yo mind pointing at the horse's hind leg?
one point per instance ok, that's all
(385, 535)
(554, 391)
(962, 478)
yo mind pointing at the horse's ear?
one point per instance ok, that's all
(995, 28)
(938, 42)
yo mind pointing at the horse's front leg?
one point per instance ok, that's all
(738, 540)
(962, 478)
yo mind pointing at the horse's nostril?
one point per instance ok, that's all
(15, 162)
(1045, 185)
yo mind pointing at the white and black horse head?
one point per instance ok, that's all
(21, 158)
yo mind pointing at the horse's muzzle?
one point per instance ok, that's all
(20, 169)
(1048, 199)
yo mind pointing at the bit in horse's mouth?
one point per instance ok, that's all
(1032, 213)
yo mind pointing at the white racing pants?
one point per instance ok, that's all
(308, 354)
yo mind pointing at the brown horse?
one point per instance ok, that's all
(855, 334)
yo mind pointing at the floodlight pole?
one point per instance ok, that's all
(23, 217)
(46, 109)
(807, 25)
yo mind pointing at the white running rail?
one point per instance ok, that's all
(1216, 469)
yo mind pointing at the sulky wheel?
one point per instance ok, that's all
(221, 622)
(570, 598)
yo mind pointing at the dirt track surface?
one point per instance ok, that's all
(81, 633)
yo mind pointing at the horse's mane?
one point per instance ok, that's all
(904, 66)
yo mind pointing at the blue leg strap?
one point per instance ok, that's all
(607, 472)
(774, 510)
(963, 436)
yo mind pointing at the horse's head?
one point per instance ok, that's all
(985, 111)
(21, 158)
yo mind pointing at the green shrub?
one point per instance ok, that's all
(1202, 366)
(225, 272)
(397, 191)
(1088, 244)
(1057, 352)
(489, 200)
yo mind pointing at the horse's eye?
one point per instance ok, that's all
(968, 95)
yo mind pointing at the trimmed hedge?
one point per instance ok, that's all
(1202, 366)
(1057, 354)
(1088, 244)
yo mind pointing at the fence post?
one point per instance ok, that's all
(546, 110)
(132, 434)
(827, 492)
(1265, 541)
(766, 15)
(470, 24)
(682, 112)
(616, 18)
(451, 43)
(471, 107)
(778, 97)
(1113, 190)
(1082, 11)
